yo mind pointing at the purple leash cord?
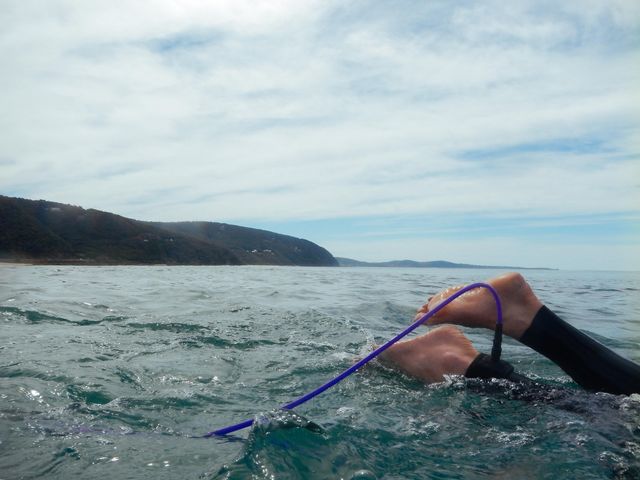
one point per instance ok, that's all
(495, 354)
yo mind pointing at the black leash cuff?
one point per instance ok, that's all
(483, 366)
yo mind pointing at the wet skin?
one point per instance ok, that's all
(445, 350)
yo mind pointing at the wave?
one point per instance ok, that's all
(34, 316)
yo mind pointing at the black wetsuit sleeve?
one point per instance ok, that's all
(483, 366)
(588, 362)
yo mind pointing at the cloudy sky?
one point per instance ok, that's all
(482, 132)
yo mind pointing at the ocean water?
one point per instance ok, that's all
(114, 372)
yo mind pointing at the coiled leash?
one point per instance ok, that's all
(496, 351)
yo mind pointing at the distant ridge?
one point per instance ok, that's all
(39, 231)
(349, 262)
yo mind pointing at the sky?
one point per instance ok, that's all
(485, 132)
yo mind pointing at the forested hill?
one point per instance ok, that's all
(252, 246)
(47, 232)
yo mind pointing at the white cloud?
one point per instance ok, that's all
(294, 110)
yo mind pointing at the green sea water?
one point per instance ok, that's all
(114, 372)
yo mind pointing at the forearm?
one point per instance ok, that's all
(588, 362)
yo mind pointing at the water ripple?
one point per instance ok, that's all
(110, 373)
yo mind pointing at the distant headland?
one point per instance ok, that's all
(349, 262)
(43, 232)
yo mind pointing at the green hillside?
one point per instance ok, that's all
(47, 232)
